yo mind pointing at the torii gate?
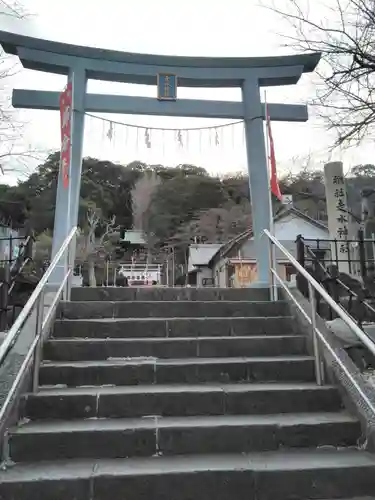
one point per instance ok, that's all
(81, 63)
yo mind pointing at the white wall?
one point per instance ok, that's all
(220, 274)
(203, 273)
(289, 227)
(286, 231)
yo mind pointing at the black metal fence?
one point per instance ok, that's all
(16, 253)
(10, 247)
(322, 259)
(333, 252)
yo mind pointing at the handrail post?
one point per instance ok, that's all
(362, 254)
(65, 294)
(71, 255)
(10, 250)
(4, 297)
(272, 265)
(38, 347)
(69, 269)
(300, 256)
(317, 358)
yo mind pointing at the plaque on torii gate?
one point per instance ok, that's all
(82, 63)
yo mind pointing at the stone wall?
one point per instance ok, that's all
(346, 376)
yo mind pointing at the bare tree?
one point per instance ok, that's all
(89, 245)
(217, 225)
(12, 8)
(344, 32)
(15, 157)
(142, 193)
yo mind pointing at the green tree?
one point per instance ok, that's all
(14, 207)
(178, 200)
(39, 191)
(42, 248)
(365, 171)
(103, 183)
(236, 188)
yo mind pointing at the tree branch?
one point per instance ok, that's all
(346, 39)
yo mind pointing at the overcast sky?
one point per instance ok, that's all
(194, 27)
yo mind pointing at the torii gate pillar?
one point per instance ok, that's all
(81, 63)
(258, 176)
(67, 199)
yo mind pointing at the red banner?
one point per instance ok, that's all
(275, 188)
(66, 122)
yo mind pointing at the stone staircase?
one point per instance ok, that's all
(181, 394)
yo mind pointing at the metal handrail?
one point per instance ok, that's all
(148, 267)
(42, 321)
(14, 331)
(34, 345)
(12, 270)
(338, 281)
(336, 307)
(313, 284)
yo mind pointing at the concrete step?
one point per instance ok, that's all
(277, 475)
(134, 371)
(121, 438)
(173, 327)
(100, 349)
(171, 309)
(170, 294)
(179, 400)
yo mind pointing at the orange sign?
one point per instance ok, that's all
(245, 273)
